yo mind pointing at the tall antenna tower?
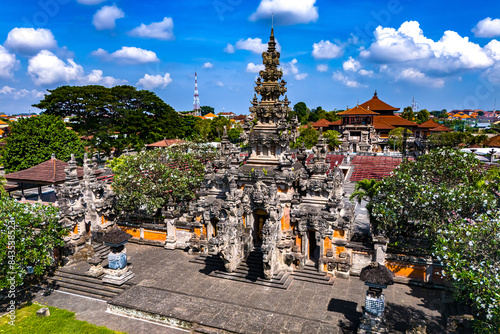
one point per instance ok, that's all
(414, 106)
(196, 102)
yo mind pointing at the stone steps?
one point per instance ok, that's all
(101, 251)
(85, 285)
(311, 274)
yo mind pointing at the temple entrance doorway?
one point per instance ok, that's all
(260, 216)
(313, 249)
(212, 228)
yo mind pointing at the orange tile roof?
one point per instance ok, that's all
(492, 142)
(357, 110)
(379, 124)
(395, 121)
(210, 115)
(429, 124)
(337, 122)
(322, 123)
(376, 104)
(441, 128)
(166, 143)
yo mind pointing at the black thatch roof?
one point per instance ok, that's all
(374, 273)
(116, 237)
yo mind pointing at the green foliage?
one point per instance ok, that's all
(423, 195)
(34, 139)
(59, 322)
(301, 111)
(217, 127)
(235, 132)
(470, 249)
(423, 116)
(396, 137)
(454, 139)
(205, 110)
(28, 235)
(202, 129)
(439, 113)
(332, 138)
(408, 114)
(145, 182)
(308, 135)
(115, 118)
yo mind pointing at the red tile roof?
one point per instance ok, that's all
(373, 167)
(322, 123)
(48, 172)
(492, 142)
(441, 128)
(395, 121)
(166, 143)
(376, 104)
(429, 124)
(357, 110)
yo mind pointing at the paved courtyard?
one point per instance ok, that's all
(169, 285)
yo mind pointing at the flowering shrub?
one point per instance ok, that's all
(470, 250)
(423, 195)
(145, 182)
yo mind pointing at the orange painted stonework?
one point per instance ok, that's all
(339, 250)
(407, 270)
(204, 230)
(134, 232)
(155, 235)
(197, 231)
(338, 233)
(244, 221)
(328, 245)
(75, 230)
(285, 221)
(103, 220)
(298, 241)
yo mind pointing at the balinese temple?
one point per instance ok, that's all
(358, 131)
(273, 205)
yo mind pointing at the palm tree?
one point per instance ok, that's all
(365, 190)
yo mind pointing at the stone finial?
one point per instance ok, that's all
(53, 156)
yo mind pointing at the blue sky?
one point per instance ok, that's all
(445, 54)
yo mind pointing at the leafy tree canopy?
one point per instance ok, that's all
(114, 118)
(423, 116)
(308, 135)
(205, 110)
(454, 139)
(332, 138)
(34, 139)
(408, 114)
(28, 235)
(396, 137)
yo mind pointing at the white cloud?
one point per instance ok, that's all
(326, 50)
(218, 83)
(365, 73)
(254, 45)
(155, 81)
(46, 68)
(90, 2)
(415, 76)
(208, 65)
(96, 78)
(21, 93)
(452, 53)
(339, 76)
(493, 49)
(322, 68)
(292, 68)
(229, 48)
(104, 18)
(252, 68)
(351, 65)
(487, 28)
(128, 55)
(163, 30)
(287, 12)
(29, 40)
(8, 63)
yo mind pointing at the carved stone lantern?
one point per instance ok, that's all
(117, 271)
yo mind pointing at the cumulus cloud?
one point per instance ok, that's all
(415, 76)
(339, 76)
(104, 18)
(21, 93)
(287, 12)
(292, 68)
(218, 83)
(154, 81)
(128, 55)
(46, 68)
(351, 65)
(96, 78)
(163, 30)
(487, 28)
(90, 2)
(365, 73)
(229, 48)
(452, 53)
(252, 68)
(327, 50)
(30, 40)
(208, 65)
(8, 63)
(254, 45)
(322, 68)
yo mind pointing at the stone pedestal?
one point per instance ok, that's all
(117, 276)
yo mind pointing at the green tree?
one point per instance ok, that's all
(470, 249)
(235, 132)
(408, 114)
(217, 127)
(146, 181)
(396, 137)
(33, 140)
(114, 118)
(308, 135)
(332, 138)
(423, 116)
(29, 233)
(422, 196)
(205, 110)
(302, 112)
(365, 190)
(202, 129)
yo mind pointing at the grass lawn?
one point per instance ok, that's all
(59, 322)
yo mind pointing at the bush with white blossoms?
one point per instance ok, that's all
(423, 195)
(145, 182)
(470, 249)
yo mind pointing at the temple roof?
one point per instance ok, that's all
(116, 237)
(376, 104)
(375, 273)
(166, 143)
(47, 172)
(392, 120)
(357, 110)
(322, 123)
(429, 124)
(493, 141)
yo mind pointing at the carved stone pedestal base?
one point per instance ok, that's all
(117, 276)
(95, 270)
